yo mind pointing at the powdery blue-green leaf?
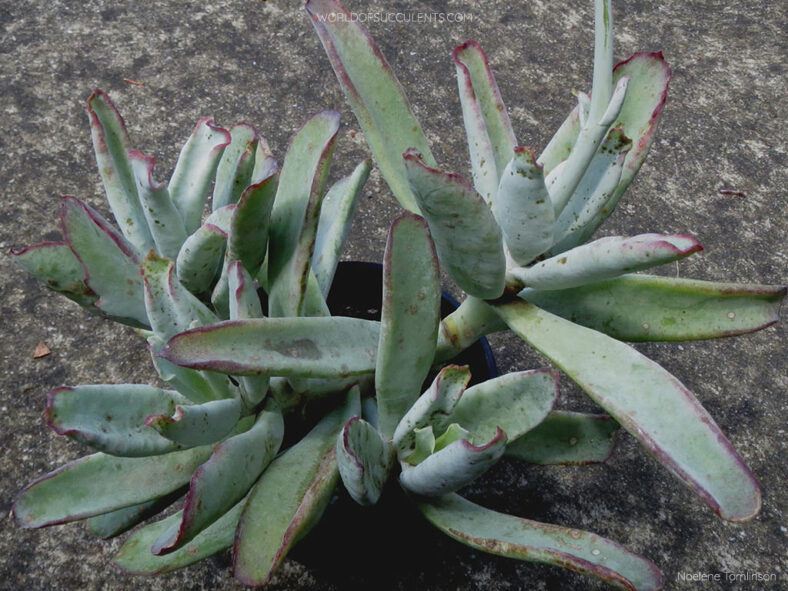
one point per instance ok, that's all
(374, 94)
(100, 483)
(452, 467)
(200, 258)
(57, 267)
(224, 479)
(433, 408)
(245, 303)
(467, 238)
(564, 181)
(410, 315)
(109, 261)
(336, 214)
(300, 347)
(523, 539)
(605, 258)
(423, 445)
(135, 557)
(111, 145)
(651, 308)
(222, 217)
(463, 327)
(164, 220)
(234, 171)
(289, 498)
(248, 237)
(657, 409)
(170, 306)
(296, 212)
(195, 169)
(523, 208)
(515, 402)
(596, 187)
(111, 417)
(192, 384)
(198, 424)
(109, 525)
(364, 460)
(569, 438)
(487, 126)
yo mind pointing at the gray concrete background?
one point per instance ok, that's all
(261, 62)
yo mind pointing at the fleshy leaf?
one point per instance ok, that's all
(135, 557)
(605, 258)
(651, 308)
(111, 417)
(192, 384)
(364, 460)
(164, 220)
(245, 303)
(567, 438)
(234, 171)
(200, 258)
(100, 483)
(195, 169)
(463, 327)
(523, 208)
(423, 445)
(171, 308)
(596, 187)
(109, 261)
(109, 525)
(452, 467)
(515, 402)
(374, 94)
(57, 267)
(248, 238)
(301, 347)
(198, 424)
(289, 498)
(224, 479)
(410, 315)
(111, 145)
(647, 401)
(487, 126)
(514, 537)
(467, 238)
(336, 214)
(433, 407)
(296, 212)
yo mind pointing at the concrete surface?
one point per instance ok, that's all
(260, 61)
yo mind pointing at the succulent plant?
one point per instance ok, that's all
(242, 367)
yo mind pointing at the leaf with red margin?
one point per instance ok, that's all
(364, 460)
(650, 403)
(234, 171)
(373, 92)
(523, 539)
(289, 498)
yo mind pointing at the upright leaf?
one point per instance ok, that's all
(164, 221)
(200, 258)
(234, 171)
(651, 404)
(523, 208)
(224, 479)
(374, 94)
(487, 126)
(109, 261)
(296, 212)
(111, 144)
(336, 214)
(410, 315)
(364, 460)
(467, 238)
(514, 537)
(248, 238)
(195, 169)
(289, 498)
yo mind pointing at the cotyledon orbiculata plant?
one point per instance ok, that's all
(222, 436)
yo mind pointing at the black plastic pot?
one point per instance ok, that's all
(390, 544)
